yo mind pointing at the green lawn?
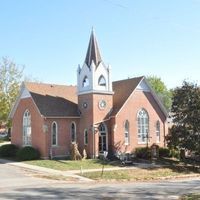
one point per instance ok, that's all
(136, 174)
(174, 169)
(64, 165)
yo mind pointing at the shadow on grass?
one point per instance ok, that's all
(93, 161)
(180, 166)
(175, 165)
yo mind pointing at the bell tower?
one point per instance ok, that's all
(95, 95)
(94, 76)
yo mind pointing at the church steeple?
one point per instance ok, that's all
(94, 75)
(93, 53)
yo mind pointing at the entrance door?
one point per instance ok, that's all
(103, 146)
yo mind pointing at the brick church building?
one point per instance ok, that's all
(98, 114)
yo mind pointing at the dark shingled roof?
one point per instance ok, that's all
(54, 100)
(93, 52)
(122, 90)
(61, 101)
(50, 106)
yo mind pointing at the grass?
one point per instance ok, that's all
(1, 141)
(65, 165)
(172, 169)
(195, 196)
(137, 174)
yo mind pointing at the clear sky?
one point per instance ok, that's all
(136, 37)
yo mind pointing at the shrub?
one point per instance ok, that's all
(28, 153)
(175, 153)
(8, 150)
(142, 152)
(164, 152)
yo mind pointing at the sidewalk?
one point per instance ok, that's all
(45, 170)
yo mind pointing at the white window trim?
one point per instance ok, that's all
(85, 82)
(99, 80)
(126, 131)
(147, 139)
(75, 137)
(53, 145)
(85, 137)
(157, 131)
(106, 131)
(27, 141)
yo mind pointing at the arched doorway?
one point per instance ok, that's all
(103, 138)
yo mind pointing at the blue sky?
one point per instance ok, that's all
(136, 37)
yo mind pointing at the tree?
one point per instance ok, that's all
(10, 80)
(161, 90)
(185, 133)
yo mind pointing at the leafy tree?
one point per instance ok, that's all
(10, 80)
(161, 90)
(185, 133)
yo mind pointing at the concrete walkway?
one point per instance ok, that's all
(45, 170)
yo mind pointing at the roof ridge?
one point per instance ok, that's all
(41, 83)
(138, 77)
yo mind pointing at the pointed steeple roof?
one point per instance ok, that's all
(93, 53)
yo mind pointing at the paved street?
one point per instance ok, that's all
(17, 183)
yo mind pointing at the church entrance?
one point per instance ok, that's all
(103, 138)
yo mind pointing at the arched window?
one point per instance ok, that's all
(73, 132)
(27, 128)
(103, 145)
(158, 131)
(143, 126)
(126, 132)
(85, 82)
(102, 81)
(54, 134)
(85, 137)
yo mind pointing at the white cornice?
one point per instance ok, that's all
(95, 92)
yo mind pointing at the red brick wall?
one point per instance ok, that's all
(92, 115)
(41, 139)
(63, 146)
(129, 112)
(89, 116)
(38, 137)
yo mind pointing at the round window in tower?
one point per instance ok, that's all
(102, 104)
(85, 105)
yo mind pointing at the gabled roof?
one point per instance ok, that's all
(63, 91)
(54, 100)
(51, 100)
(62, 101)
(122, 90)
(93, 53)
(54, 106)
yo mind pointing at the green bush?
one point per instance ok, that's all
(175, 153)
(28, 153)
(8, 150)
(142, 152)
(164, 152)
